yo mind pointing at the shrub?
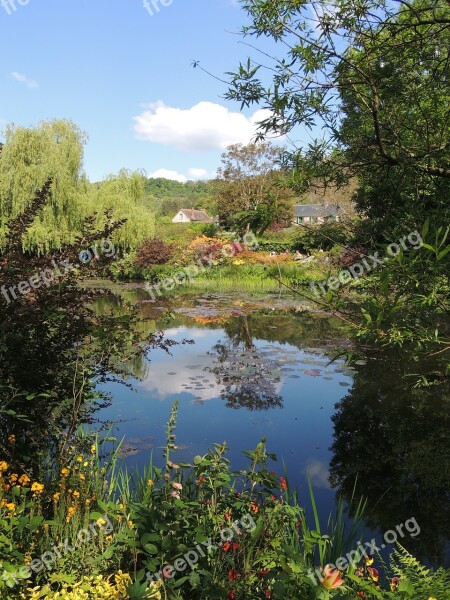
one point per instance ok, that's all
(153, 252)
(205, 246)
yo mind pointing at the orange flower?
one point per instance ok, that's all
(373, 574)
(254, 508)
(226, 546)
(283, 483)
(331, 578)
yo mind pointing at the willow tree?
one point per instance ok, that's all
(125, 196)
(30, 156)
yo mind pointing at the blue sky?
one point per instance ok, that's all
(124, 76)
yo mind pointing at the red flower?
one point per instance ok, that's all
(226, 546)
(235, 546)
(254, 508)
(262, 573)
(267, 593)
(228, 515)
(231, 594)
(201, 480)
(283, 483)
(299, 522)
(373, 574)
(361, 594)
(232, 575)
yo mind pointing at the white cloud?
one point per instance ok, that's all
(168, 174)
(193, 174)
(205, 126)
(24, 79)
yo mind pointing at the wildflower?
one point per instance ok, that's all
(79, 459)
(65, 471)
(56, 496)
(175, 494)
(130, 523)
(76, 494)
(394, 583)
(101, 522)
(267, 593)
(13, 478)
(368, 560)
(150, 483)
(36, 487)
(3, 466)
(283, 484)
(24, 480)
(361, 594)
(373, 574)
(93, 449)
(331, 578)
(254, 508)
(11, 506)
(235, 546)
(232, 575)
(85, 464)
(262, 573)
(177, 486)
(226, 546)
(227, 515)
(201, 480)
(231, 595)
(82, 477)
(70, 512)
(12, 439)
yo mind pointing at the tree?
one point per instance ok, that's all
(31, 156)
(252, 190)
(374, 77)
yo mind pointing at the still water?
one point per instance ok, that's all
(248, 367)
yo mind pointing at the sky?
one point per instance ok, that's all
(123, 73)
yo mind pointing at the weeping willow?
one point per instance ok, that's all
(55, 150)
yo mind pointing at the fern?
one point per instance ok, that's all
(425, 582)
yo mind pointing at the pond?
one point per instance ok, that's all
(248, 367)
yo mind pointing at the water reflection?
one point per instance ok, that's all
(394, 439)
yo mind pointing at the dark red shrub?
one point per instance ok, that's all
(153, 252)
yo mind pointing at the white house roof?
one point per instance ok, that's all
(197, 215)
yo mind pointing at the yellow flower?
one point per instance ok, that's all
(65, 472)
(82, 477)
(56, 496)
(101, 522)
(24, 480)
(3, 465)
(150, 483)
(70, 512)
(37, 487)
(85, 464)
(93, 449)
(88, 501)
(13, 478)
(12, 439)
(76, 493)
(79, 459)
(11, 506)
(130, 523)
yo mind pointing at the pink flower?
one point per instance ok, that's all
(177, 486)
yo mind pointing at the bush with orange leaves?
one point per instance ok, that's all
(203, 247)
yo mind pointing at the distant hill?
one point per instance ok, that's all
(167, 196)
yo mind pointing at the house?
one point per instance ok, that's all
(316, 213)
(189, 215)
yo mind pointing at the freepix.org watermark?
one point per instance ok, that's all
(366, 551)
(203, 263)
(191, 557)
(367, 263)
(153, 7)
(56, 270)
(10, 5)
(49, 558)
